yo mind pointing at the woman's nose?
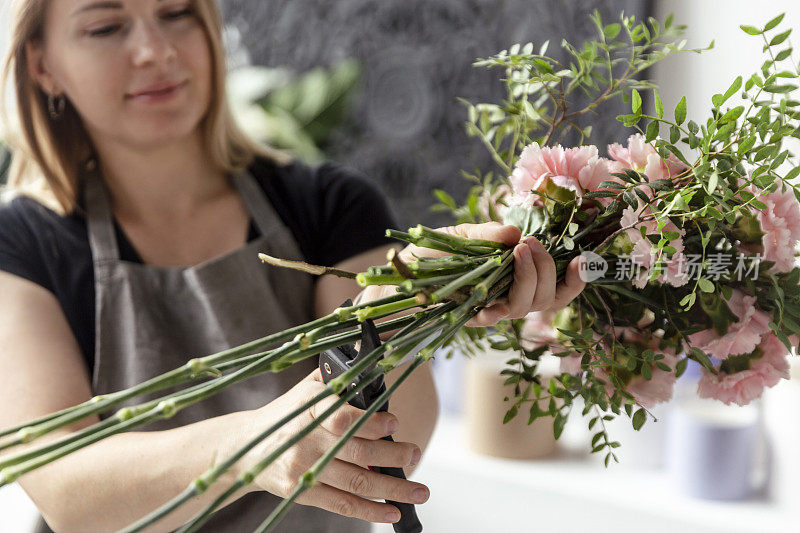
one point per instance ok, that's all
(150, 45)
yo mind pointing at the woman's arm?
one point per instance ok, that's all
(124, 476)
(116, 481)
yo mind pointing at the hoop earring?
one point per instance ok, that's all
(56, 106)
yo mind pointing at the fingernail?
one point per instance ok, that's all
(415, 457)
(420, 495)
(533, 241)
(393, 516)
(392, 426)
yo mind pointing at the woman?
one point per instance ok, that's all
(131, 247)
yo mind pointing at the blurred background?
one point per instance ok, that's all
(373, 85)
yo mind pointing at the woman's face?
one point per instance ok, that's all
(137, 71)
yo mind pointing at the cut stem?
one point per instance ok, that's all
(308, 268)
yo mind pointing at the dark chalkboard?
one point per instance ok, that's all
(405, 128)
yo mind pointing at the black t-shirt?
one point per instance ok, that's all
(332, 211)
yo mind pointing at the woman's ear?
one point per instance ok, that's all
(34, 53)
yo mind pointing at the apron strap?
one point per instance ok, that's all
(266, 219)
(99, 220)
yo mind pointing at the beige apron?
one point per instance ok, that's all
(150, 320)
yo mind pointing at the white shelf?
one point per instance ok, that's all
(569, 493)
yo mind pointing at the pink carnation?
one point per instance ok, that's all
(538, 327)
(646, 392)
(596, 172)
(742, 336)
(538, 330)
(577, 169)
(743, 387)
(659, 388)
(643, 253)
(780, 223)
(641, 156)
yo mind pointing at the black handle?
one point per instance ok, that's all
(334, 362)
(408, 523)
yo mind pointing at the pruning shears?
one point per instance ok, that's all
(335, 362)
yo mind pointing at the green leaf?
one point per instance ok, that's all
(778, 39)
(558, 425)
(779, 89)
(680, 111)
(713, 182)
(636, 101)
(735, 86)
(529, 221)
(510, 414)
(445, 198)
(688, 300)
(611, 31)
(700, 356)
(674, 134)
(783, 54)
(639, 418)
(745, 145)
(792, 174)
(629, 120)
(751, 30)
(658, 103)
(661, 185)
(601, 194)
(680, 368)
(774, 22)
(705, 285)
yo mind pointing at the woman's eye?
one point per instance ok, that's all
(178, 14)
(103, 31)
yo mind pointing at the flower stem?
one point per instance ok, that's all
(458, 243)
(337, 385)
(308, 268)
(386, 309)
(472, 275)
(308, 479)
(193, 369)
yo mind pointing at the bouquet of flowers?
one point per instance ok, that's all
(688, 254)
(689, 240)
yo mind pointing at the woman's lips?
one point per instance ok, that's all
(157, 93)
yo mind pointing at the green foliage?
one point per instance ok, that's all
(291, 112)
(733, 157)
(5, 163)
(540, 89)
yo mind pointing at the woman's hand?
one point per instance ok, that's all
(345, 484)
(534, 287)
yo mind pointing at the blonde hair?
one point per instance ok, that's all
(48, 154)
